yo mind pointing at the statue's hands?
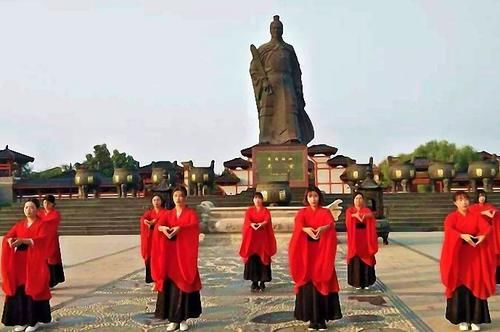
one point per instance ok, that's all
(267, 87)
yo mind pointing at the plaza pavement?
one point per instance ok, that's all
(105, 289)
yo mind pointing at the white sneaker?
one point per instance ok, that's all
(357, 288)
(365, 288)
(32, 328)
(463, 326)
(19, 328)
(475, 327)
(183, 326)
(172, 326)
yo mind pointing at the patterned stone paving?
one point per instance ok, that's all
(228, 305)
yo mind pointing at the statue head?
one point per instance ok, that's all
(276, 27)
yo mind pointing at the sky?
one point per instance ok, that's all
(169, 80)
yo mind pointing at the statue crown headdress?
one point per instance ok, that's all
(276, 21)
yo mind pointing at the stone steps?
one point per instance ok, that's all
(422, 212)
(405, 212)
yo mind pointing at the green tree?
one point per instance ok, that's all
(384, 168)
(103, 162)
(100, 160)
(123, 160)
(26, 171)
(464, 156)
(436, 151)
(48, 173)
(448, 152)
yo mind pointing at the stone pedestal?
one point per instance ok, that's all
(6, 189)
(277, 168)
(280, 163)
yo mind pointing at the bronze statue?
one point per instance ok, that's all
(277, 83)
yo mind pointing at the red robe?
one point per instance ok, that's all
(495, 224)
(314, 261)
(147, 233)
(52, 221)
(261, 241)
(462, 264)
(361, 242)
(28, 267)
(177, 259)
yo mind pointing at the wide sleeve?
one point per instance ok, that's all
(37, 272)
(449, 253)
(328, 249)
(483, 226)
(188, 245)
(158, 252)
(350, 224)
(145, 231)
(271, 239)
(495, 230)
(191, 221)
(298, 250)
(488, 256)
(7, 261)
(50, 220)
(246, 235)
(297, 77)
(145, 216)
(371, 231)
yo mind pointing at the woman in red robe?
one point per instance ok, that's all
(312, 251)
(52, 218)
(467, 269)
(25, 273)
(492, 215)
(174, 264)
(362, 244)
(147, 225)
(258, 244)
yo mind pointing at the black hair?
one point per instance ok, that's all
(50, 199)
(182, 189)
(34, 201)
(258, 194)
(317, 191)
(356, 193)
(481, 192)
(159, 196)
(460, 193)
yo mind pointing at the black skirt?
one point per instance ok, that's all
(360, 274)
(176, 305)
(311, 305)
(464, 307)
(149, 278)
(498, 274)
(256, 271)
(56, 274)
(21, 309)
